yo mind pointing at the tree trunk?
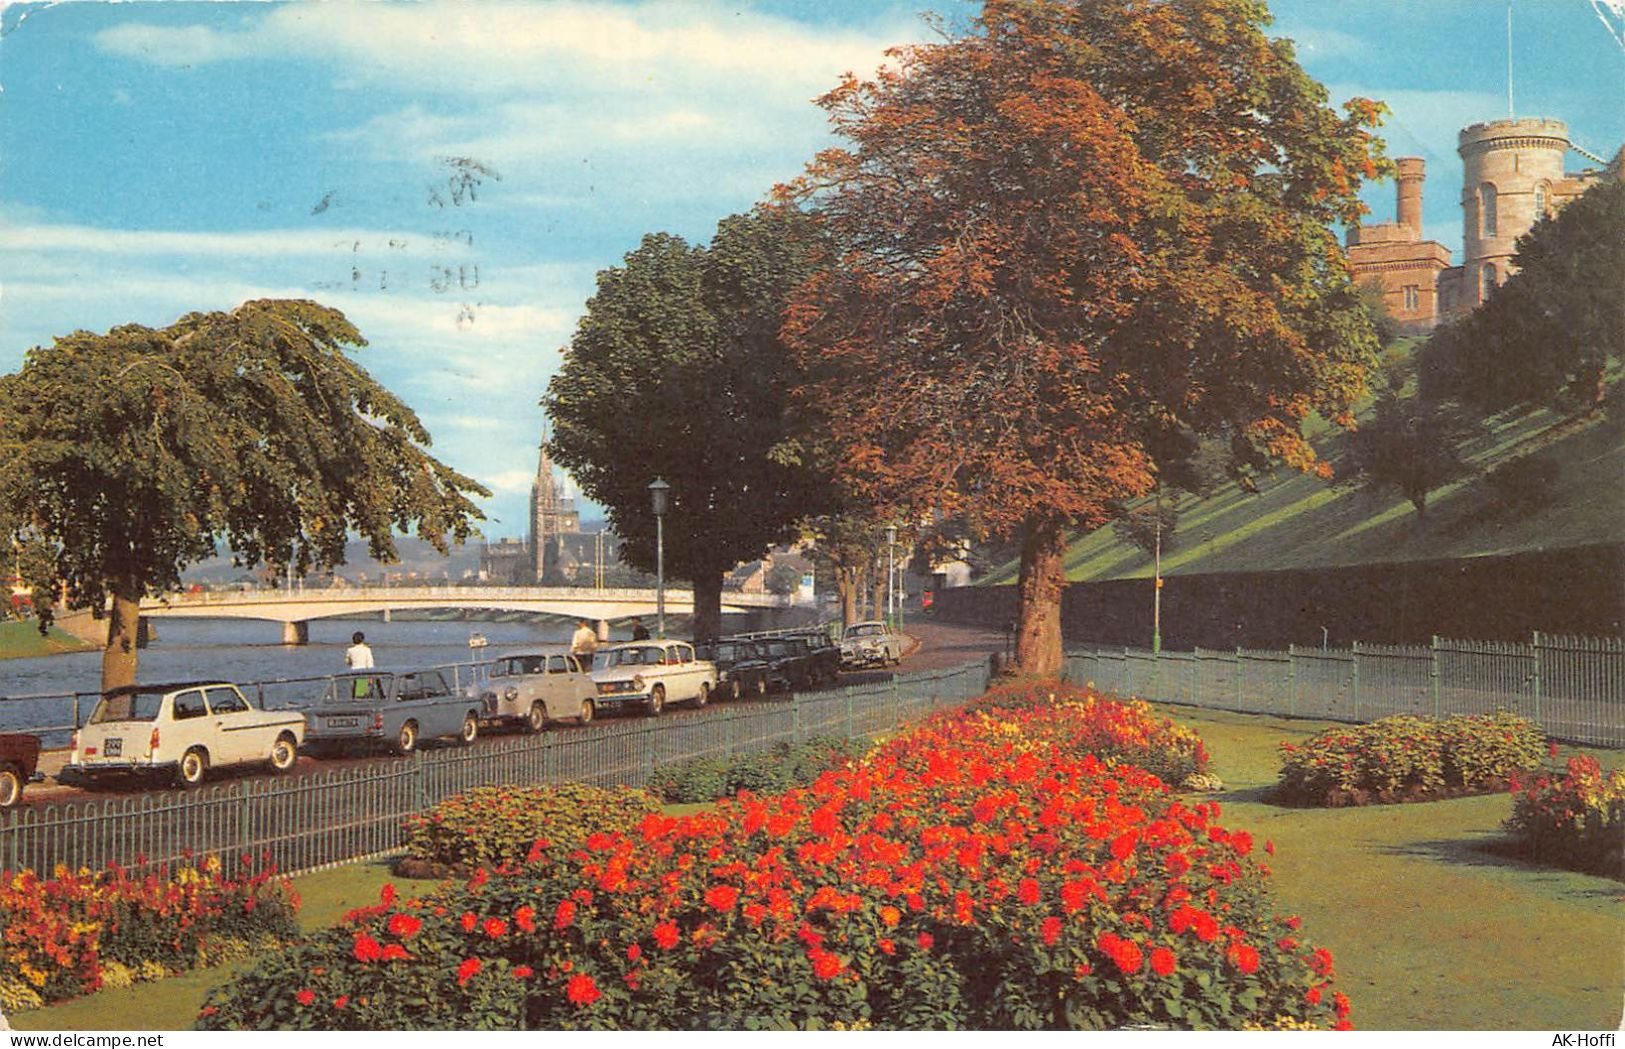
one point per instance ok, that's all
(878, 591)
(708, 607)
(846, 585)
(123, 630)
(1038, 614)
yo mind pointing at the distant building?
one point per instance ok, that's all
(506, 563)
(551, 517)
(1513, 175)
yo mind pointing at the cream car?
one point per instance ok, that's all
(533, 688)
(182, 729)
(651, 674)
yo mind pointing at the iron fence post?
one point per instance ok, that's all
(1240, 683)
(1534, 650)
(646, 747)
(1433, 675)
(1291, 681)
(795, 717)
(1355, 681)
(847, 689)
(420, 785)
(243, 817)
(1128, 675)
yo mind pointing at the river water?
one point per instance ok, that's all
(249, 651)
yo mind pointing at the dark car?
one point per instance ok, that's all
(742, 671)
(19, 765)
(790, 660)
(826, 654)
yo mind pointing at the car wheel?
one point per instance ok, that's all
(537, 721)
(11, 785)
(588, 709)
(657, 701)
(407, 741)
(194, 765)
(760, 688)
(705, 695)
(284, 753)
(470, 730)
(736, 689)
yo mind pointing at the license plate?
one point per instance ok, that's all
(342, 722)
(112, 748)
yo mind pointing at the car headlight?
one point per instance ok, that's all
(511, 694)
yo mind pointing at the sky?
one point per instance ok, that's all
(453, 176)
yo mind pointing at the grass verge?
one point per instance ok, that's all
(1431, 928)
(21, 639)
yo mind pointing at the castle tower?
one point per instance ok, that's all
(1408, 208)
(1512, 175)
(1393, 258)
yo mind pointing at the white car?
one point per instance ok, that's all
(651, 674)
(183, 729)
(533, 688)
(871, 643)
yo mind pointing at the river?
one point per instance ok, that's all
(249, 650)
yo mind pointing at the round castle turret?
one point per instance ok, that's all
(1510, 168)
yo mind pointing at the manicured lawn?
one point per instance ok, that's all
(21, 638)
(1430, 928)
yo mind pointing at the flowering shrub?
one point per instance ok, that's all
(68, 934)
(492, 825)
(1574, 820)
(973, 872)
(778, 768)
(1402, 756)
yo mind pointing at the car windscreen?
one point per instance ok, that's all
(866, 630)
(365, 688)
(628, 657)
(515, 665)
(129, 706)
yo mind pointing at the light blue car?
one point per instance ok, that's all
(396, 709)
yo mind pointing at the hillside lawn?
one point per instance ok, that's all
(20, 639)
(1429, 928)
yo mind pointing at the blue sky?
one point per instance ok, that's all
(453, 176)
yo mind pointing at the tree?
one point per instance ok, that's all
(850, 547)
(677, 372)
(783, 580)
(1148, 527)
(1548, 335)
(1070, 229)
(1412, 445)
(127, 454)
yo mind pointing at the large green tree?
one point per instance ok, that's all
(677, 372)
(1549, 334)
(1071, 229)
(126, 455)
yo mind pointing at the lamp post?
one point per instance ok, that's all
(1156, 602)
(891, 576)
(658, 491)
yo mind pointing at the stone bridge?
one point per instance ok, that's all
(294, 609)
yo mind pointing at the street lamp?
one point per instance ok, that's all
(1156, 602)
(658, 492)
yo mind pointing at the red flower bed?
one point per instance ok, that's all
(60, 935)
(979, 871)
(1574, 819)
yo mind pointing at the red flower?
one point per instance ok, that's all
(581, 990)
(394, 953)
(1050, 930)
(927, 941)
(495, 928)
(722, 897)
(826, 966)
(565, 915)
(1244, 957)
(1312, 996)
(1124, 844)
(1162, 961)
(366, 948)
(633, 953)
(341, 1001)
(525, 918)
(1028, 892)
(666, 935)
(467, 970)
(404, 926)
(523, 972)
(306, 996)
(890, 916)
(469, 921)
(886, 946)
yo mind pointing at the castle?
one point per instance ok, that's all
(1512, 176)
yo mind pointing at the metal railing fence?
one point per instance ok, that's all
(1573, 687)
(307, 822)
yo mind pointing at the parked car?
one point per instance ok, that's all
(741, 670)
(533, 688)
(826, 654)
(791, 661)
(183, 729)
(19, 765)
(871, 643)
(651, 674)
(398, 709)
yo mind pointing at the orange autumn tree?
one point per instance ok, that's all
(1065, 239)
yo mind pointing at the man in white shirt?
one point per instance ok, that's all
(584, 642)
(358, 656)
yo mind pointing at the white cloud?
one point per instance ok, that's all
(1322, 44)
(88, 240)
(175, 46)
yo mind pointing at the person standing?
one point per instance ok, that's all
(584, 642)
(639, 631)
(359, 655)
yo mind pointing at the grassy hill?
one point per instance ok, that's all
(1296, 521)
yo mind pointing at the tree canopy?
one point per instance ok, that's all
(126, 455)
(677, 372)
(1546, 336)
(1070, 230)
